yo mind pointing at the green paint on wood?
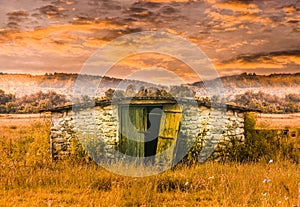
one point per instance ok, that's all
(133, 125)
(169, 128)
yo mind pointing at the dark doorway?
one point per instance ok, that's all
(154, 114)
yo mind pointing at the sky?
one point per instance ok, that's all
(253, 36)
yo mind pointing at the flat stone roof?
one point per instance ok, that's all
(148, 101)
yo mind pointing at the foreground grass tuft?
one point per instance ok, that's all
(28, 177)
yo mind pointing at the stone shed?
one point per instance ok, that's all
(144, 127)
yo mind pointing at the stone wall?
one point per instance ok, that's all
(97, 129)
(219, 126)
(93, 127)
(61, 134)
(210, 127)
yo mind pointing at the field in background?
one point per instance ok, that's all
(21, 119)
(28, 177)
(276, 121)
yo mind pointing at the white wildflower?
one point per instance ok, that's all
(266, 181)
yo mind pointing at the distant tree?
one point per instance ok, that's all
(182, 91)
(109, 93)
(41, 100)
(2, 109)
(269, 103)
(4, 98)
(130, 90)
(292, 97)
(10, 107)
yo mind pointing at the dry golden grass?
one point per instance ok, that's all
(28, 177)
(20, 119)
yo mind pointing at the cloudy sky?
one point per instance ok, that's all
(261, 36)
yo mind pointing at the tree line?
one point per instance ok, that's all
(32, 103)
(269, 103)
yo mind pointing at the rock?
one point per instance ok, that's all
(59, 140)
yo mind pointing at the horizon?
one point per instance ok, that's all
(152, 82)
(236, 36)
(74, 73)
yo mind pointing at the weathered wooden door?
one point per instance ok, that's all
(133, 126)
(169, 128)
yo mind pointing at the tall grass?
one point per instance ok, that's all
(28, 177)
(259, 145)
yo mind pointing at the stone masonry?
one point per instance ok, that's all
(98, 127)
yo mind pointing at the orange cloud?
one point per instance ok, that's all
(268, 62)
(289, 59)
(238, 7)
(247, 65)
(223, 22)
(151, 62)
(289, 9)
(164, 1)
(66, 40)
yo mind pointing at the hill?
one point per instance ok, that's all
(275, 84)
(24, 93)
(62, 83)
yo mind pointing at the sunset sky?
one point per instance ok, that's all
(38, 36)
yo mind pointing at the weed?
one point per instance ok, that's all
(28, 177)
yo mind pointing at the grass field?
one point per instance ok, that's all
(278, 120)
(28, 177)
(20, 119)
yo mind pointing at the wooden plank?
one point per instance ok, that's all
(140, 125)
(133, 125)
(172, 111)
(169, 129)
(124, 130)
(166, 137)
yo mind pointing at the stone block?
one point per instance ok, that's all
(106, 108)
(239, 131)
(240, 115)
(59, 140)
(111, 142)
